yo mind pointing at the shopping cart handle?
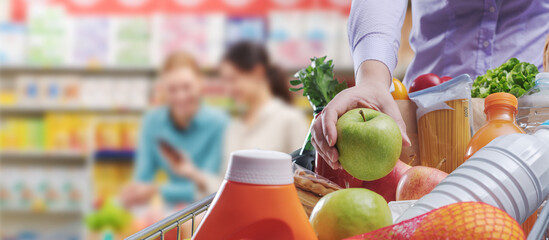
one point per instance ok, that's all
(159, 228)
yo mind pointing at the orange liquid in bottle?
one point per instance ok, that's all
(501, 110)
(257, 201)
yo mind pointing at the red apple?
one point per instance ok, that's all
(424, 81)
(445, 79)
(387, 186)
(417, 182)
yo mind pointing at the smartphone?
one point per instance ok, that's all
(170, 150)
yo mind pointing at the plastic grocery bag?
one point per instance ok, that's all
(444, 121)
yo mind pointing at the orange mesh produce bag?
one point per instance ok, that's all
(466, 220)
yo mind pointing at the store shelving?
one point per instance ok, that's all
(114, 156)
(18, 109)
(77, 70)
(29, 155)
(51, 213)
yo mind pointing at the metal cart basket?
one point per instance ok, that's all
(157, 230)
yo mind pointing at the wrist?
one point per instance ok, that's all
(373, 73)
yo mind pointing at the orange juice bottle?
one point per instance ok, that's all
(501, 110)
(257, 201)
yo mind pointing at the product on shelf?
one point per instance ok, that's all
(67, 131)
(12, 49)
(18, 133)
(116, 134)
(86, 92)
(90, 41)
(132, 41)
(48, 35)
(39, 189)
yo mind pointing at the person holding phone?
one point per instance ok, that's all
(183, 137)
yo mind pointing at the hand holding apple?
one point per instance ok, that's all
(369, 143)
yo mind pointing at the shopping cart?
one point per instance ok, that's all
(157, 230)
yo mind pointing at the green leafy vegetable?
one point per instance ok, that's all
(514, 77)
(317, 82)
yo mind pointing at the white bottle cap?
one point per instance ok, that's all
(260, 167)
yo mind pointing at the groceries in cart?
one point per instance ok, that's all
(481, 185)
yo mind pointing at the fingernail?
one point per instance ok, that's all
(329, 141)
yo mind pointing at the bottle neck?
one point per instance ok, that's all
(501, 112)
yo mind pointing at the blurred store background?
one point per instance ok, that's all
(77, 75)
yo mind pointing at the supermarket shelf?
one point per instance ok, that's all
(78, 70)
(42, 155)
(29, 212)
(114, 156)
(42, 109)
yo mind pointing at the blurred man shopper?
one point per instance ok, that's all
(448, 37)
(183, 137)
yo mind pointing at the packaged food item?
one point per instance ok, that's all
(257, 200)
(510, 173)
(444, 123)
(500, 109)
(533, 107)
(311, 187)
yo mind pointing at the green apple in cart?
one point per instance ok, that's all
(368, 142)
(349, 212)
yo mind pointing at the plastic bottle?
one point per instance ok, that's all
(257, 201)
(500, 109)
(510, 173)
(534, 105)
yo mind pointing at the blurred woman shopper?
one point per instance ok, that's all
(184, 138)
(267, 120)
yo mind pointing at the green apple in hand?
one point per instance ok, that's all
(369, 143)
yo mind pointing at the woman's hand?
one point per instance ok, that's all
(137, 193)
(182, 165)
(371, 91)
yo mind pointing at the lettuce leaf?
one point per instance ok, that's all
(514, 77)
(317, 82)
